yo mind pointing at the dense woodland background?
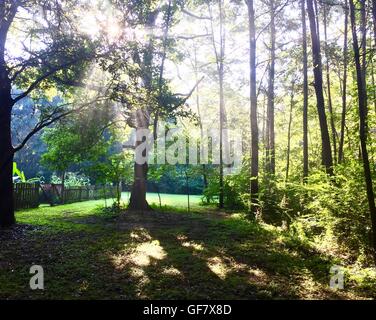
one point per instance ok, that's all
(297, 77)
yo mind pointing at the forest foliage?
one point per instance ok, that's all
(296, 77)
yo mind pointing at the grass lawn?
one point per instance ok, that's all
(174, 200)
(91, 253)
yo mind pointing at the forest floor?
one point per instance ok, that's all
(91, 253)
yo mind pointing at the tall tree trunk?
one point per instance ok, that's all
(328, 85)
(221, 129)
(305, 93)
(317, 19)
(264, 133)
(362, 101)
(373, 85)
(204, 169)
(270, 114)
(253, 115)
(344, 87)
(137, 200)
(374, 19)
(219, 56)
(327, 159)
(289, 132)
(363, 30)
(7, 217)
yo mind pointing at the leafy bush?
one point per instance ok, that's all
(236, 190)
(333, 212)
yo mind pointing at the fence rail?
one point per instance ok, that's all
(31, 195)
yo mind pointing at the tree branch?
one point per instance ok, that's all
(193, 36)
(38, 128)
(45, 76)
(187, 96)
(48, 121)
(277, 11)
(194, 15)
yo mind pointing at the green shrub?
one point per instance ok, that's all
(332, 211)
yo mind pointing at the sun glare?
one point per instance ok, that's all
(96, 24)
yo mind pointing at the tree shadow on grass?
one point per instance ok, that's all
(206, 259)
(165, 256)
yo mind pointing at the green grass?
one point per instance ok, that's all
(173, 200)
(180, 202)
(91, 253)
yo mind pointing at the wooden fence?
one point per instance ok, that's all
(26, 195)
(77, 194)
(31, 195)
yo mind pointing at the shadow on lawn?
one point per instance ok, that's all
(164, 256)
(177, 256)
